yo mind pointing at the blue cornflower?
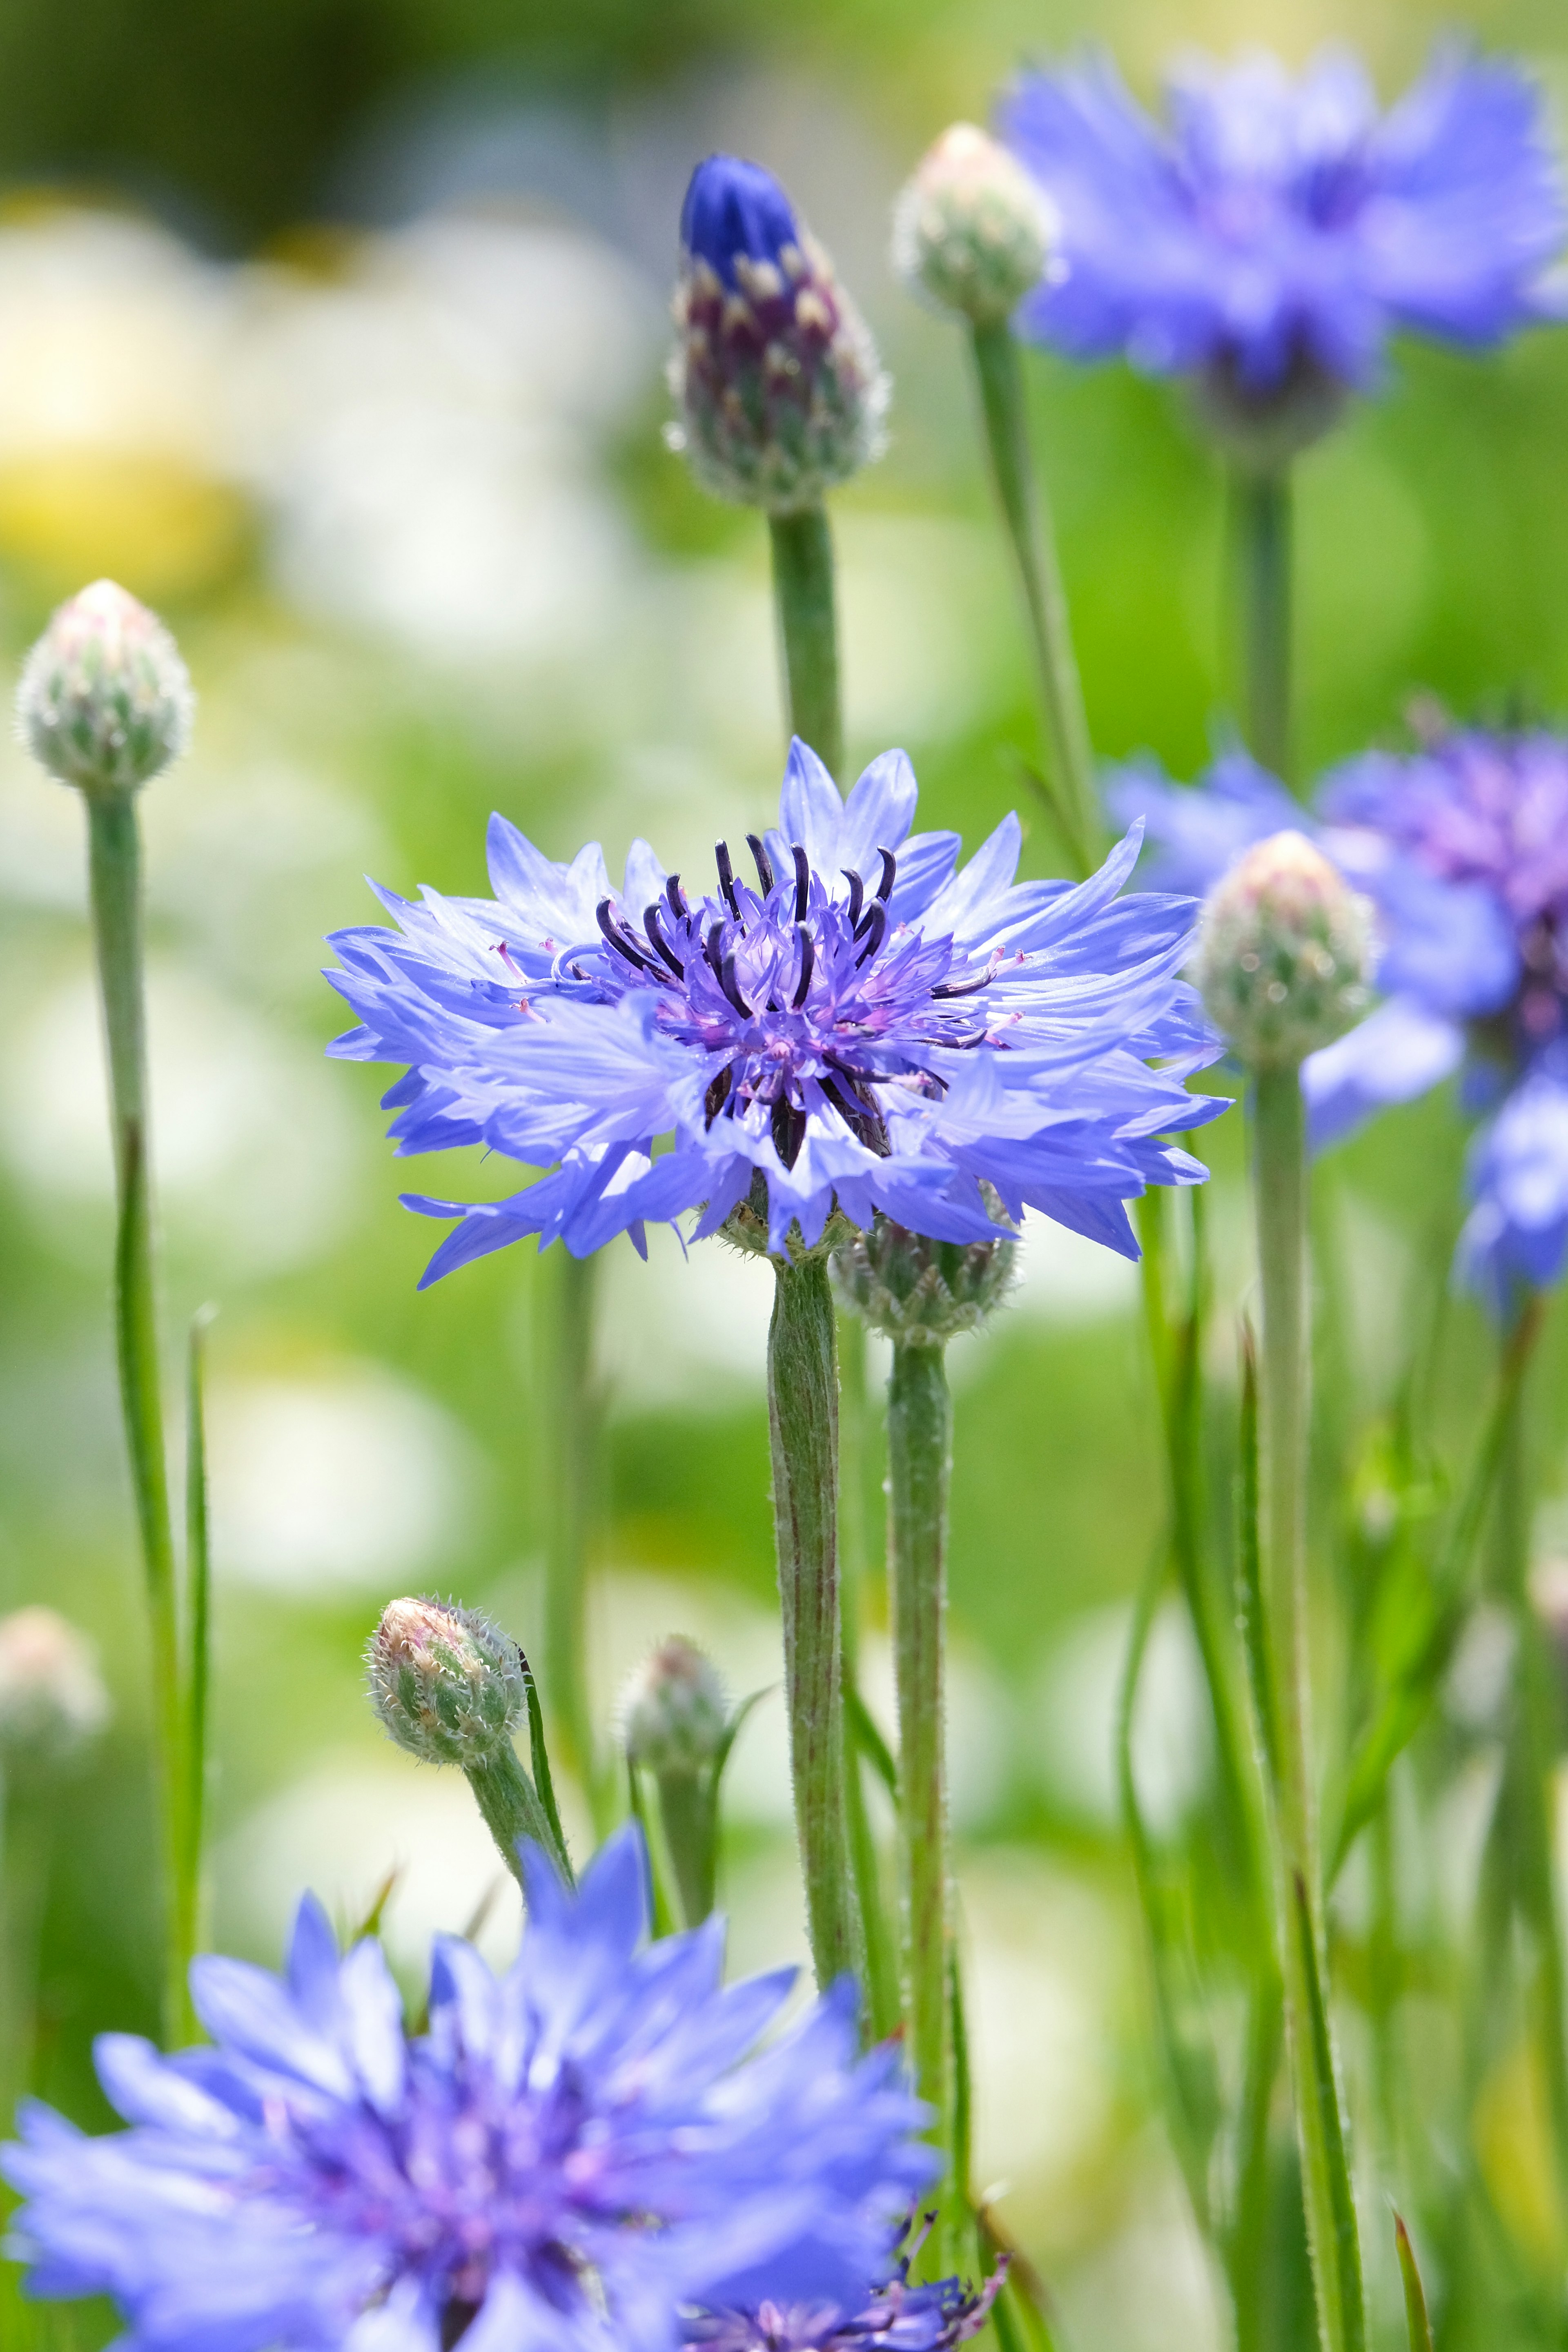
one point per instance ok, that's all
(894, 2318)
(865, 1028)
(1463, 848)
(570, 2157)
(1269, 238)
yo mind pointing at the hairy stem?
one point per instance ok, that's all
(115, 875)
(570, 1426)
(1280, 1181)
(856, 1455)
(1026, 516)
(1263, 521)
(808, 630)
(802, 1414)
(510, 1805)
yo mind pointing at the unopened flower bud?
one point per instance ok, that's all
(52, 1699)
(777, 386)
(445, 1682)
(675, 1712)
(1285, 952)
(971, 229)
(105, 701)
(920, 1292)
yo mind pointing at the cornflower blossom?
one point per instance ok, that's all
(1463, 848)
(898, 2317)
(867, 1028)
(1269, 236)
(574, 2155)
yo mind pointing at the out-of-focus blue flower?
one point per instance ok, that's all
(1463, 848)
(1272, 233)
(1193, 835)
(865, 1027)
(896, 2317)
(569, 2158)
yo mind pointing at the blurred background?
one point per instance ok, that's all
(334, 329)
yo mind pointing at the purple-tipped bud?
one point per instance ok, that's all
(675, 1712)
(922, 1293)
(971, 229)
(1285, 952)
(52, 1699)
(445, 1682)
(105, 701)
(776, 381)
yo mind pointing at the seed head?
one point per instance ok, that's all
(675, 1712)
(778, 390)
(445, 1682)
(971, 229)
(1285, 952)
(52, 1699)
(920, 1292)
(105, 701)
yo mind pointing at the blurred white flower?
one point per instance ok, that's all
(52, 1699)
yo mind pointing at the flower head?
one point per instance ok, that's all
(104, 701)
(1267, 238)
(863, 1028)
(778, 389)
(895, 2317)
(920, 1292)
(570, 2157)
(971, 229)
(1285, 952)
(675, 1711)
(447, 1684)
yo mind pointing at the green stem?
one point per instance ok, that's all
(1280, 1181)
(1026, 515)
(510, 1803)
(198, 1578)
(803, 1415)
(687, 1812)
(570, 1425)
(115, 874)
(855, 1465)
(920, 1456)
(1263, 520)
(808, 630)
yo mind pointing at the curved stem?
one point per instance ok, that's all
(115, 874)
(1026, 515)
(802, 1414)
(920, 1457)
(808, 630)
(1263, 516)
(511, 1809)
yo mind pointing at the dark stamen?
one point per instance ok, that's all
(864, 1121)
(656, 939)
(963, 987)
(618, 939)
(876, 928)
(808, 960)
(856, 893)
(765, 871)
(889, 868)
(717, 1093)
(677, 897)
(731, 987)
(727, 877)
(801, 882)
(789, 1131)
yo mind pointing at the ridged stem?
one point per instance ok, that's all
(802, 1414)
(920, 1457)
(1026, 516)
(1264, 531)
(570, 1426)
(1280, 1173)
(510, 1805)
(808, 630)
(115, 876)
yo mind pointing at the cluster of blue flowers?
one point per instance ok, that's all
(1462, 845)
(592, 2151)
(863, 1026)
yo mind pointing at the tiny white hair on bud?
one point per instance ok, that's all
(104, 701)
(1286, 952)
(52, 1697)
(447, 1683)
(973, 231)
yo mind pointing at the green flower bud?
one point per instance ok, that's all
(971, 229)
(919, 1292)
(1285, 952)
(104, 701)
(675, 1713)
(52, 1699)
(445, 1682)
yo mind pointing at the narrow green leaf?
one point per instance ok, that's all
(870, 1742)
(1324, 2133)
(198, 1580)
(539, 1757)
(369, 1922)
(732, 1731)
(1416, 2320)
(1249, 1565)
(963, 2089)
